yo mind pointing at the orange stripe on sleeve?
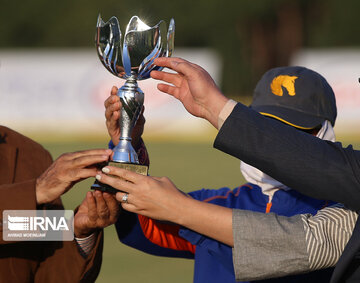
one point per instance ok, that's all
(164, 235)
(227, 194)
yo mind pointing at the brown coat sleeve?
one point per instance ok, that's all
(23, 160)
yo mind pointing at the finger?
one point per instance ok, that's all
(111, 109)
(115, 119)
(116, 183)
(77, 154)
(168, 62)
(112, 205)
(171, 78)
(127, 206)
(169, 89)
(114, 90)
(112, 155)
(102, 209)
(124, 174)
(119, 197)
(92, 214)
(81, 174)
(111, 100)
(157, 178)
(185, 68)
(85, 161)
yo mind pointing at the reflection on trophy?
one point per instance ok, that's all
(131, 58)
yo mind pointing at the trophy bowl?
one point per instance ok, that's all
(133, 56)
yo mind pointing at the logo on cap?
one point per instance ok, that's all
(285, 81)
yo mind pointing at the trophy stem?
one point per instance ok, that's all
(132, 100)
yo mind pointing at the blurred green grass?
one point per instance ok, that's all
(191, 166)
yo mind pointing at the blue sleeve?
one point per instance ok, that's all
(221, 251)
(130, 233)
(217, 249)
(204, 194)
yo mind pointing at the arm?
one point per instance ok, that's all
(142, 233)
(265, 245)
(33, 193)
(139, 231)
(23, 162)
(300, 240)
(168, 239)
(221, 251)
(269, 245)
(153, 237)
(268, 242)
(158, 198)
(319, 168)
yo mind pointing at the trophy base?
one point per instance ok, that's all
(137, 168)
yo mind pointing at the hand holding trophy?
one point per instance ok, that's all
(131, 58)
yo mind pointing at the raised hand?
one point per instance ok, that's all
(193, 86)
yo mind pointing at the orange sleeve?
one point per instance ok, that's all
(164, 235)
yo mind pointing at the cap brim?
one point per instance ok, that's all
(291, 117)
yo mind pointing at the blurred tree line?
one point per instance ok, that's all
(251, 36)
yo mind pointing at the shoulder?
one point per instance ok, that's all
(225, 192)
(25, 145)
(204, 194)
(15, 138)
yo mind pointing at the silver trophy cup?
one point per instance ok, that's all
(131, 58)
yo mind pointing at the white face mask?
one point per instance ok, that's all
(269, 185)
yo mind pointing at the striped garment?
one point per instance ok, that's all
(86, 245)
(327, 234)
